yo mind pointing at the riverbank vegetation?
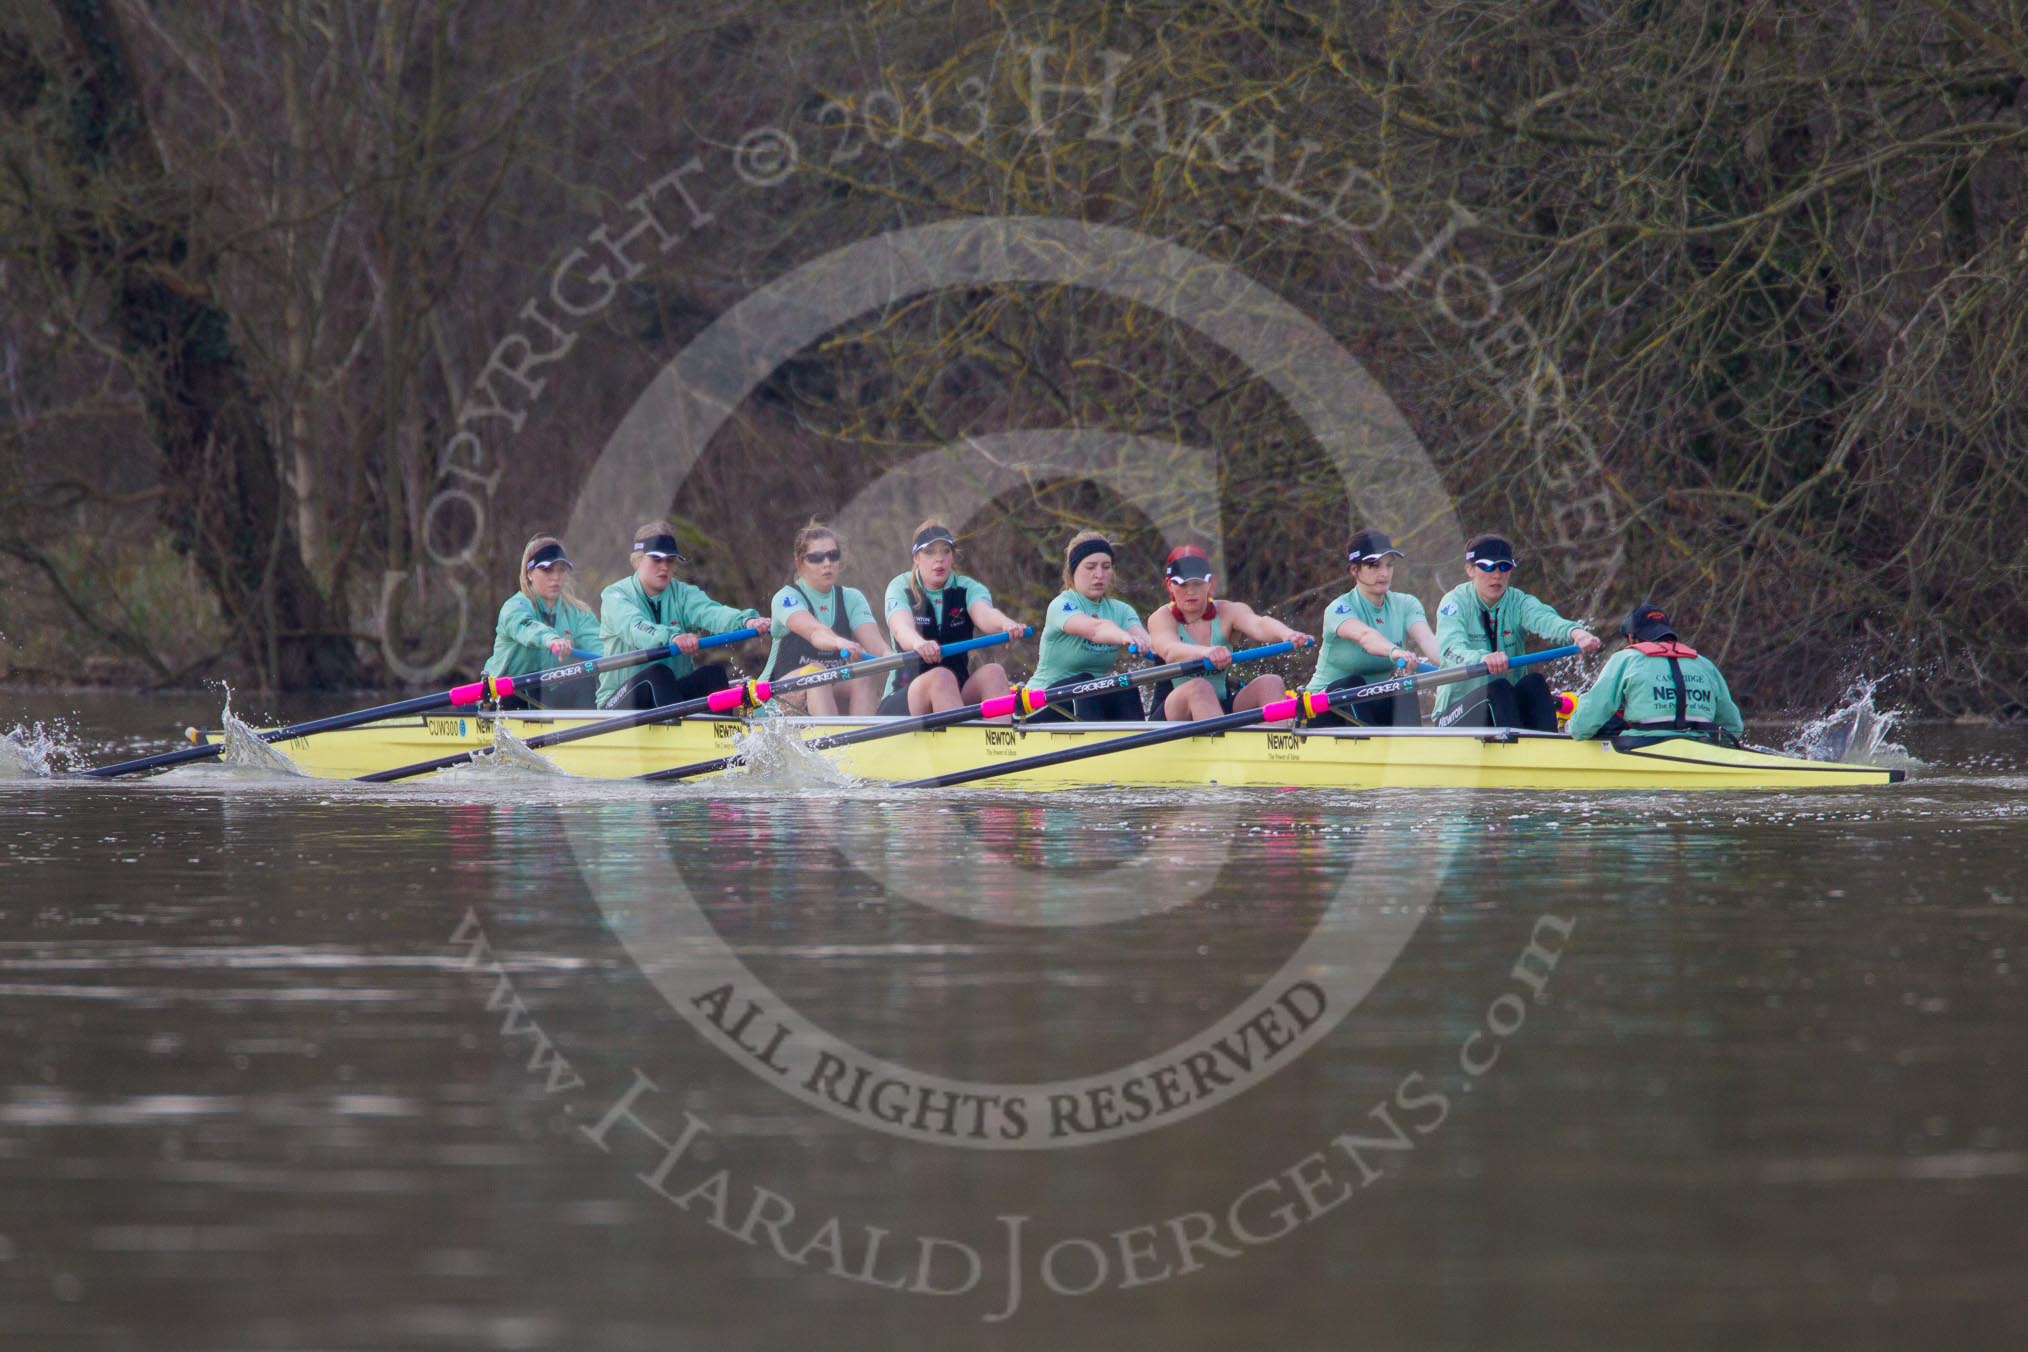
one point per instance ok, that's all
(1725, 304)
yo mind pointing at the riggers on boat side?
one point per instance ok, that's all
(1280, 757)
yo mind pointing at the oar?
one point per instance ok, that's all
(1019, 700)
(470, 693)
(746, 696)
(1308, 704)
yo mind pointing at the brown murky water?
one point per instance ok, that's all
(470, 1064)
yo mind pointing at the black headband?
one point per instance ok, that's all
(660, 544)
(931, 535)
(1085, 549)
(549, 553)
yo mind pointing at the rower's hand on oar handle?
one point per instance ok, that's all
(930, 651)
(684, 643)
(1496, 664)
(560, 648)
(1016, 629)
(1586, 641)
(1219, 657)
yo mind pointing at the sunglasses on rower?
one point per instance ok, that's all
(824, 556)
(1493, 565)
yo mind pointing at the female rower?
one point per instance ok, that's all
(1486, 619)
(1193, 625)
(933, 604)
(816, 620)
(650, 609)
(1371, 633)
(540, 625)
(1657, 687)
(1086, 633)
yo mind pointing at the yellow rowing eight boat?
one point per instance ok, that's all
(1335, 758)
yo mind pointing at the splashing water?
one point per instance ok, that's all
(1856, 732)
(772, 753)
(508, 755)
(244, 748)
(32, 751)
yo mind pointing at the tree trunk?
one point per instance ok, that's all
(225, 503)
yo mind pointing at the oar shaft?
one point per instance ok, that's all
(1427, 680)
(503, 686)
(208, 750)
(719, 701)
(1274, 712)
(469, 693)
(998, 707)
(1033, 700)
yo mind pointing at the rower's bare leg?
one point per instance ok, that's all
(933, 692)
(1190, 701)
(862, 696)
(988, 682)
(1260, 690)
(822, 702)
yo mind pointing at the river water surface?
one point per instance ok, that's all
(506, 1060)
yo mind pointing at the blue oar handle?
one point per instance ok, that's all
(712, 641)
(721, 640)
(853, 655)
(985, 641)
(1253, 654)
(1546, 655)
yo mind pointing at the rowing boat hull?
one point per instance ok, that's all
(1420, 758)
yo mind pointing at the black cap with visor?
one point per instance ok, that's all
(659, 547)
(1371, 546)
